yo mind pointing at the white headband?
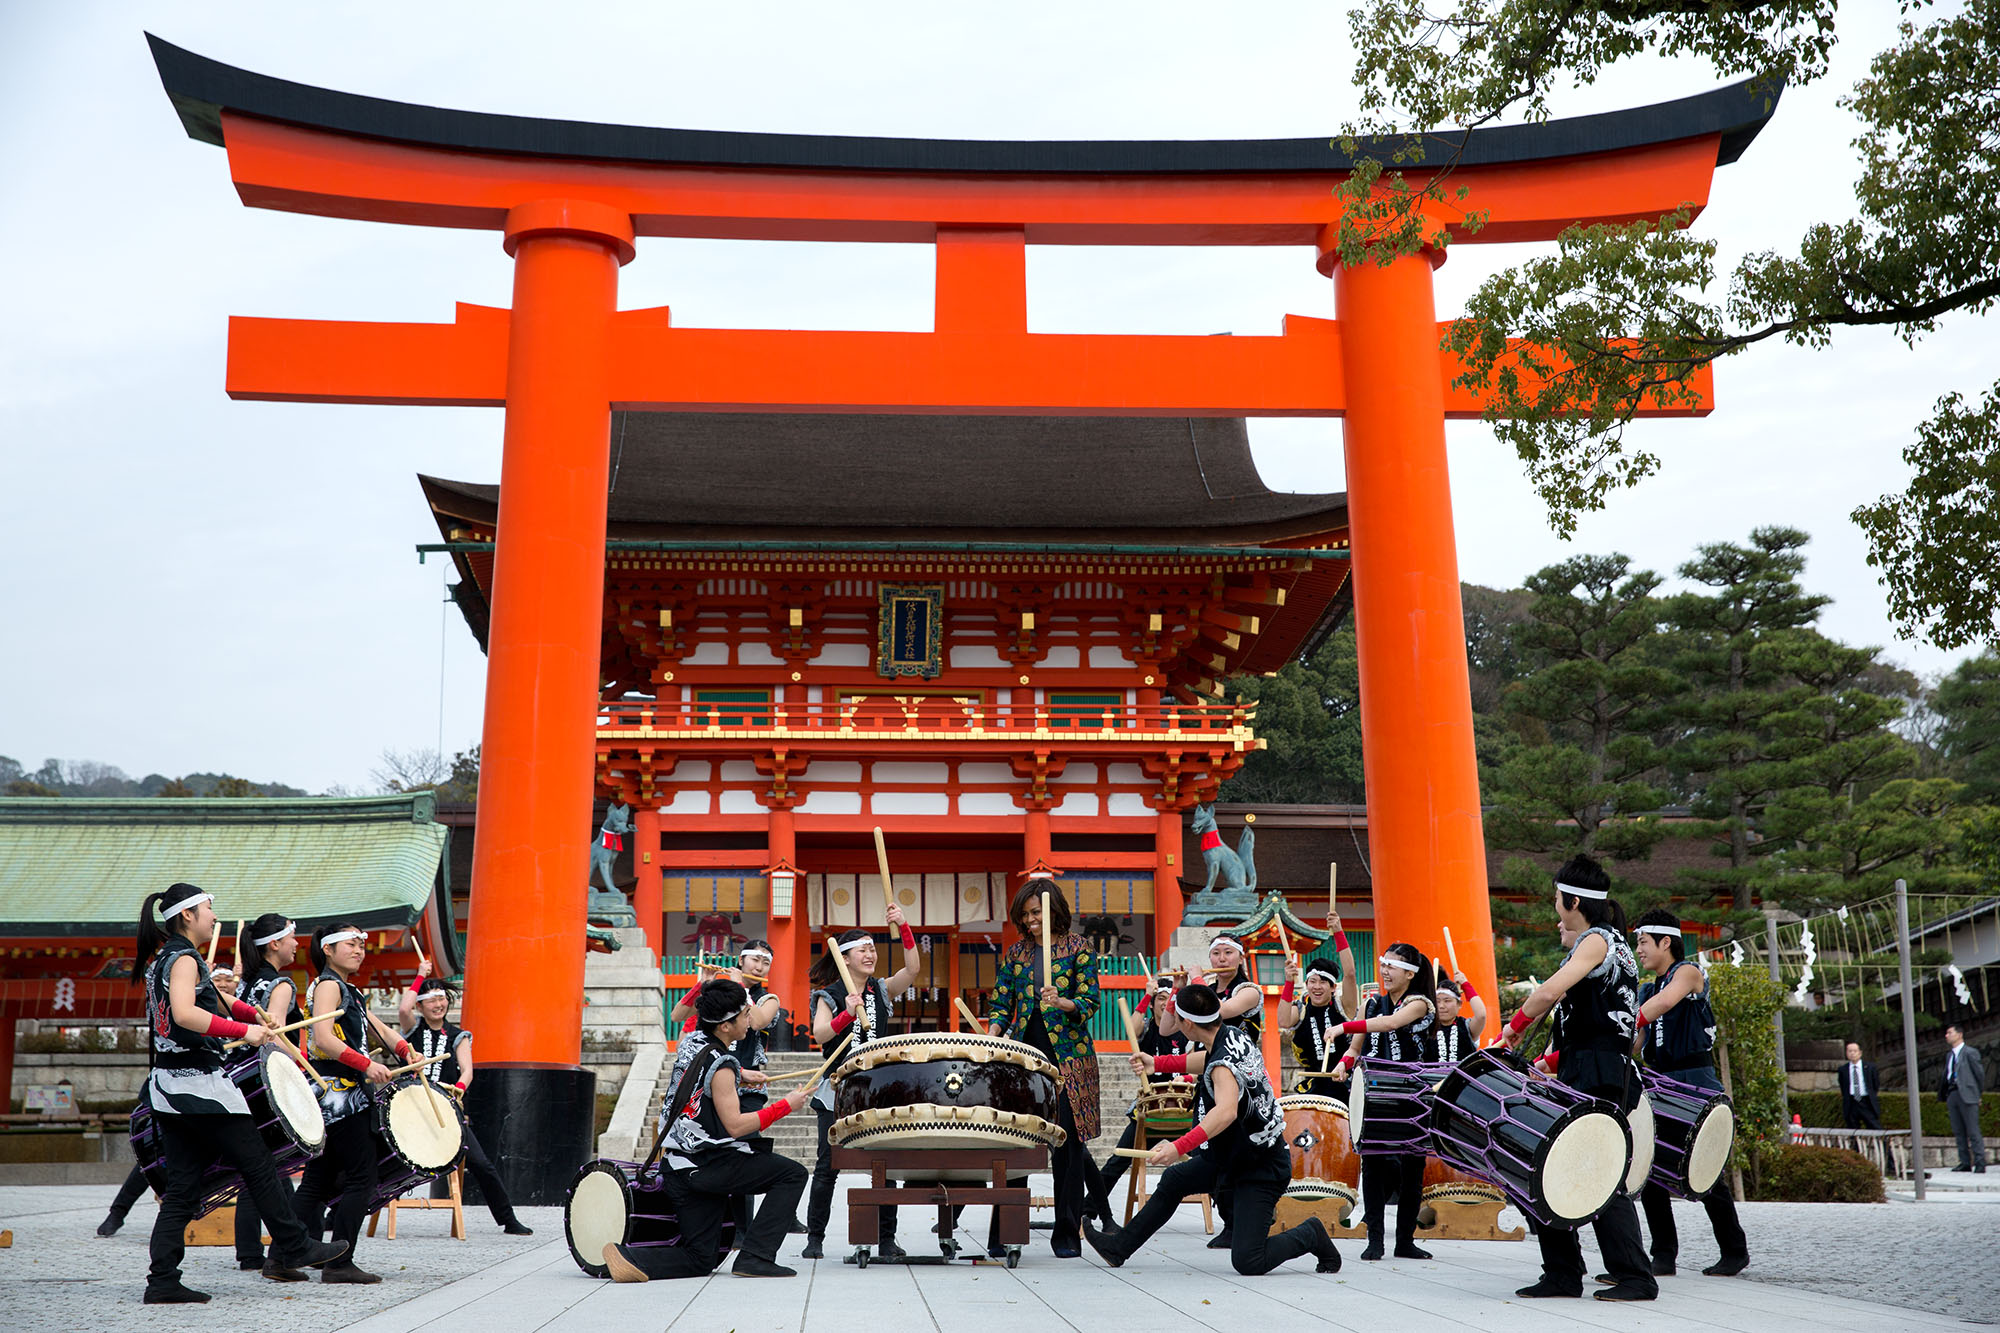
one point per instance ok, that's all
(1226, 938)
(852, 945)
(1390, 960)
(1660, 930)
(290, 928)
(753, 953)
(1182, 1010)
(340, 935)
(1575, 892)
(222, 972)
(169, 913)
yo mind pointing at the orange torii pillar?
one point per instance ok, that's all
(1427, 849)
(531, 853)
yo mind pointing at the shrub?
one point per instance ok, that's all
(1801, 1173)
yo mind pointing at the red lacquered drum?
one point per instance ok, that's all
(1324, 1163)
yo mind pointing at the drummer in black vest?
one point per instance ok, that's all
(1594, 1002)
(350, 1165)
(1461, 1018)
(833, 1012)
(1331, 993)
(265, 951)
(713, 1144)
(1162, 1035)
(200, 1113)
(1677, 1038)
(1237, 1144)
(437, 1035)
(1229, 976)
(1396, 1024)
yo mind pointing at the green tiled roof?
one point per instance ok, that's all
(82, 867)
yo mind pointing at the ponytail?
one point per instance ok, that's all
(152, 931)
(824, 972)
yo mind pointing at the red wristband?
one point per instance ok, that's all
(460, 1085)
(244, 1012)
(773, 1113)
(403, 1051)
(1520, 1021)
(1170, 1064)
(1340, 944)
(1286, 994)
(1347, 1061)
(840, 1022)
(1191, 1140)
(218, 1026)
(354, 1060)
(689, 1026)
(1465, 989)
(1355, 1025)
(416, 992)
(909, 939)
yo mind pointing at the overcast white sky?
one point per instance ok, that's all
(195, 584)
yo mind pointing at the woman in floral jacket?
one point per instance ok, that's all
(1053, 1015)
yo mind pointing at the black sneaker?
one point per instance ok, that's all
(749, 1265)
(815, 1248)
(349, 1274)
(109, 1226)
(250, 1265)
(277, 1272)
(1663, 1268)
(1412, 1251)
(1727, 1267)
(175, 1294)
(1548, 1286)
(1100, 1242)
(797, 1228)
(1323, 1246)
(1373, 1251)
(515, 1227)
(318, 1254)
(1221, 1240)
(1630, 1291)
(890, 1251)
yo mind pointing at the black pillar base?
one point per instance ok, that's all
(537, 1123)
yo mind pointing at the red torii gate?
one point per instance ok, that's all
(570, 199)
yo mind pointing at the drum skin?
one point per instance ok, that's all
(399, 1106)
(618, 1201)
(945, 1090)
(1324, 1163)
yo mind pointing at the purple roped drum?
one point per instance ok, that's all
(281, 1102)
(1556, 1153)
(1389, 1107)
(415, 1142)
(615, 1202)
(1693, 1132)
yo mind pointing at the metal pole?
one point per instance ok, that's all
(1778, 1019)
(1909, 1035)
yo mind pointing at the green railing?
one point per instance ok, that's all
(1363, 944)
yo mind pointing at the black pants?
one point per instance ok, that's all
(128, 1193)
(194, 1141)
(1721, 1207)
(1858, 1115)
(490, 1184)
(250, 1225)
(1403, 1174)
(1079, 1187)
(819, 1208)
(1617, 1231)
(1253, 1251)
(1965, 1128)
(709, 1193)
(349, 1167)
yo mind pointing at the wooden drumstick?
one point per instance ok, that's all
(276, 1032)
(882, 865)
(1450, 951)
(1132, 1152)
(966, 1010)
(297, 1052)
(240, 973)
(214, 938)
(1284, 937)
(1332, 888)
(815, 1075)
(847, 979)
(1131, 1022)
(1048, 967)
(415, 1065)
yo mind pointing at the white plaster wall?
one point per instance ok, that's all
(756, 652)
(830, 803)
(844, 655)
(687, 803)
(910, 803)
(715, 652)
(937, 773)
(739, 803)
(976, 655)
(1128, 803)
(828, 770)
(1077, 803)
(982, 803)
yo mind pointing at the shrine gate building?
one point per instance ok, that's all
(996, 638)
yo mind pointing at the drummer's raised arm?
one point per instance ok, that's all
(1292, 1008)
(823, 1015)
(913, 961)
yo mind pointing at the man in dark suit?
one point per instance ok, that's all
(1860, 1091)
(1964, 1080)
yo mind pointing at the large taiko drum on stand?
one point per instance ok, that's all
(1389, 1107)
(1324, 1163)
(1444, 1183)
(945, 1090)
(1556, 1153)
(1694, 1129)
(414, 1145)
(283, 1105)
(623, 1203)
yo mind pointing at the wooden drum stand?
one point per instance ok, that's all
(864, 1218)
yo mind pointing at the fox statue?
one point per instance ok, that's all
(1235, 870)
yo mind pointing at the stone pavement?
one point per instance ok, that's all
(1818, 1268)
